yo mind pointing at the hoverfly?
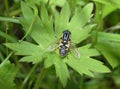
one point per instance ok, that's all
(64, 45)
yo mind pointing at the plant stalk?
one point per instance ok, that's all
(39, 79)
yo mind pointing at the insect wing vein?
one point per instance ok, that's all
(53, 46)
(74, 51)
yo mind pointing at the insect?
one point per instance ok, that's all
(64, 45)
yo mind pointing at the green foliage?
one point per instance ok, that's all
(109, 45)
(43, 22)
(33, 52)
(7, 74)
(41, 30)
(61, 71)
(87, 65)
(108, 6)
(35, 26)
(10, 38)
(76, 23)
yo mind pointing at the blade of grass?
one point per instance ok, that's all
(7, 24)
(39, 79)
(6, 59)
(10, 38)
(7, 19)
(6, 7)
(28, 76)
(6, 39)
(31, 25)
(15, 12)
(1, 57)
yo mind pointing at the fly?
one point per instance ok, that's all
(64, 45)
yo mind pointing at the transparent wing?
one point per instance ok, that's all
(53, 46)
(74, 50)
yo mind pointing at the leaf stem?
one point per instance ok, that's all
(7, 7)
(59, 85)
(10, 38)
(31, 24)
(7, 25)
(6, 39)
(98, 16)
(6, 19)
(15, 12)
(97, 19)
(82, 83)
(28, 76)
(39, 79)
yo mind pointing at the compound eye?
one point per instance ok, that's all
(65, 36)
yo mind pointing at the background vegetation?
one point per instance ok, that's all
(28, 27)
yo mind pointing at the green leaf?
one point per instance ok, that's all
(80, 35)
(86, 64)
(108, 6)
(107, 2)
(34, 58)
(109, 45)
(81, 17)
(85, 14)
(57, 2)
(44, 15)
(109, 37)
(30, 22)
(7, 74)
(72, 4)
(24, 48)
(62, 19)
(76, 25)
(34, 52)
(115, 3)
(31, 2)
(60, 66)
(102, 1)
(107, 10)
(47, 29)
(86, 51)
(51, 58)
(61, 71)
(41, 30)
(26, 11)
